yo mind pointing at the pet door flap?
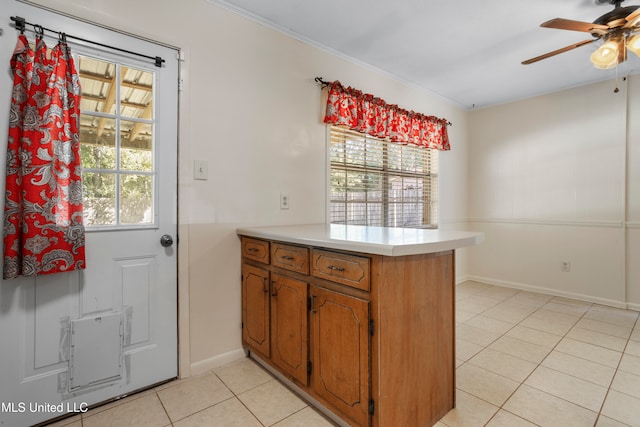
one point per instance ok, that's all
(96, 350)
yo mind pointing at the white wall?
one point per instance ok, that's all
(250, 108)
(633, 197)
(556, 178)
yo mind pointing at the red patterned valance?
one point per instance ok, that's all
(370, 115)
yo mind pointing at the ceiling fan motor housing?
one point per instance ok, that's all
(616, 3)
(616, 17)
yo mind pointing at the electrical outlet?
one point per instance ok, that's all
(284, 201)
(565, 266)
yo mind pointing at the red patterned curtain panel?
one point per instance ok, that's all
(366, 114)
(43, 224)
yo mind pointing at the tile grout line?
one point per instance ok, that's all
(164, 408)
(551, 351)
(579, 318)
(487, 346)
(616, 373)
(501, 407)
(272, 378)
(235, 396)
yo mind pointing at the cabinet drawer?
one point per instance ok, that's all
(255, 249)
(292, 258)
(346, 269)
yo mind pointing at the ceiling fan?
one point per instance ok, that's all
(615, 28)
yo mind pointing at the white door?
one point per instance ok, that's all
(71, 340)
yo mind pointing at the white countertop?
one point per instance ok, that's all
(373, 240)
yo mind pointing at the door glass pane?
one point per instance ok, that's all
(136, 93)
(98, 91)
(137, 143)
(97, 142)
(117, 143)
(99, 198)
(136, 203)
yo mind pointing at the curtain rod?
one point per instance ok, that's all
(21, 23)
(325, 84)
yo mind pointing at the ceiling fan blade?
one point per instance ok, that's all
(569, 24)
(558, 51)
(633, 18)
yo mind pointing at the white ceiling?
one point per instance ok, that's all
(467, 51)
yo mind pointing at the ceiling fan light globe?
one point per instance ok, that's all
(633, 44)
(606, 56)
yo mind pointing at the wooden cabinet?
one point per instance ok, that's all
(340, 351)
(255, 309)
(289, 332)
(370, 337)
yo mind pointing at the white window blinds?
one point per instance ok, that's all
(381, 183)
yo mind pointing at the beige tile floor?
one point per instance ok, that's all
(523, 359)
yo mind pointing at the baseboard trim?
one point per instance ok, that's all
(550, 291)
(634, 307)
(203, 366)
(463, 278)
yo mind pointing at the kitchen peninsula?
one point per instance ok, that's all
(360, 319)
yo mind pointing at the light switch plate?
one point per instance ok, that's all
(200, 170)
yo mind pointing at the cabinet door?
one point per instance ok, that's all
(340, 352)
(289, 333)
(255, 308)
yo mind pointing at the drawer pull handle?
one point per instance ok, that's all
(252, 249)
(334, 268)
(287, 258)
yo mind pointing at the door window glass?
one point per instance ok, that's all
(117, 144)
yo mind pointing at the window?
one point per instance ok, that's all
(381, 183)
(117, 144)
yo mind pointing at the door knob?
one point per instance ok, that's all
(166, 240)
